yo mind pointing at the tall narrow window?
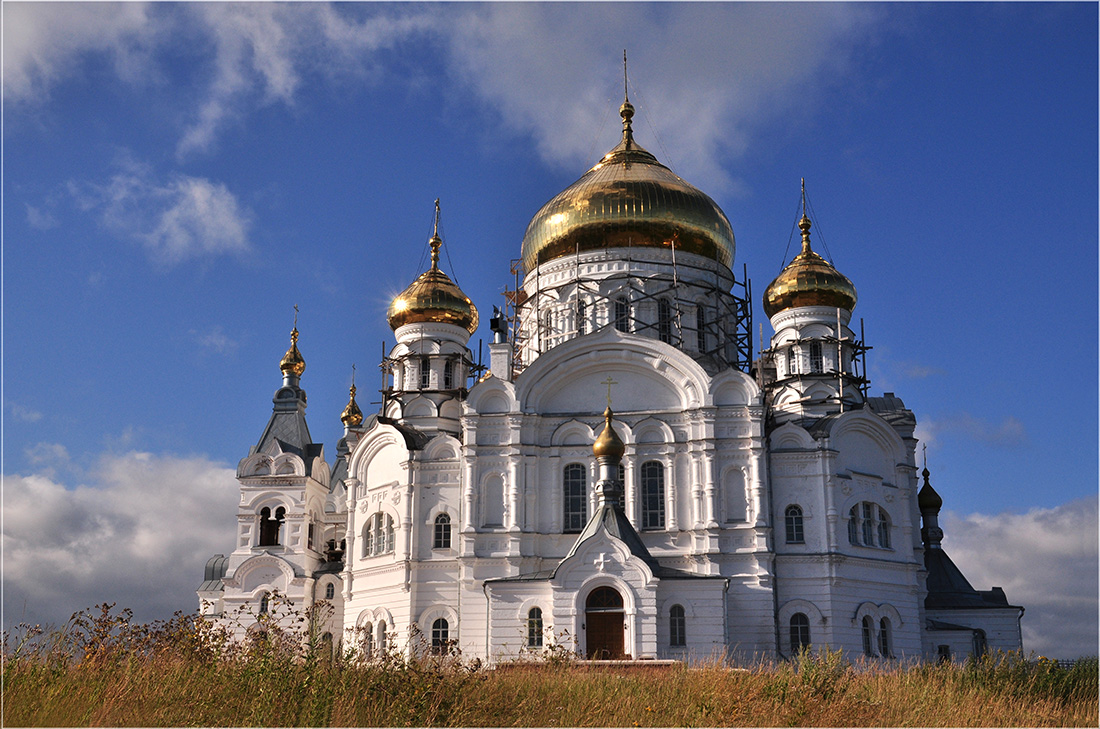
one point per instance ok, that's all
(853, 525)
(883, 529)
(368, 641)
(816, 362)
(448, 375)
(792, 361)
(622, 487)
(389, 535)
(534, 628)
(868, 636)
(574, 497)
(943, 653)
(868, 523)
(701, 327)
(368, 538)
(653, 495)
(582, 318)
(794, 524)
(441, 537)
(270, 526)
(884, 637)
(441, 636)
(379, 535)
(309, 536)
(264, 604)
(622, 315)
(677, 626)
(330, 591)
(425, 373)
(800, 632)
(382, 636)
(980, 644)
(664, 321)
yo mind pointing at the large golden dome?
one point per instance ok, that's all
(433, 297)
(628, 199)
(808, 280)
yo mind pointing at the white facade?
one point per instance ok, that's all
(759, 511)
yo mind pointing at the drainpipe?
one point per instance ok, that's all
(485, 591)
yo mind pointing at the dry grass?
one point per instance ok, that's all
(103, 671)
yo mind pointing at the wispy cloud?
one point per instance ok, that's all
(550, 71)
(24, 414)
(136, 533)
(175, 219)
(1009, 432)
(45, 42)
(215, 339)
(40, 219)
(1046, 560)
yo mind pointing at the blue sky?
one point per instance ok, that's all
(177, 177)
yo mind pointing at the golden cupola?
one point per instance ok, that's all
(292, 363)
(628, 200)
(808, 280)
(608, 443)
(352, 417)
(433, 296)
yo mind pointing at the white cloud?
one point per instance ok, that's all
(40, 219)
(1046, 560)
(553, 70)
(1008, 433)
(137, 533)
(176, 219)
(25, 414)
(45, 42)
(215, 340)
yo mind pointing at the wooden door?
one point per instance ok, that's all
(604, 635)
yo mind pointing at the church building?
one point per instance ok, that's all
(627, 478)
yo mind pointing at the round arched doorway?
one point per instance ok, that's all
(604, 624)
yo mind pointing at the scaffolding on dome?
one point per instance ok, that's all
(727, 327)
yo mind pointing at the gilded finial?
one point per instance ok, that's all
(626, 111)
(805, 223)
(435, 241)
(292, 362)
(608, 443)
(352, 416)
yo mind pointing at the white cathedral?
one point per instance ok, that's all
(625, 479)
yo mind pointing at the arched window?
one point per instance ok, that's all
(270, 526)
(853, 525)
(884, 637)
(883, 529)
(534, 628)
(582, 318)
(382, 636)
(448, 375)
(388, 535)
(368, 538)
(677, 626)
(664, 321)
(816, 363)
(441, 536)
(701, 327)
(264, 604)
(868, 532)
(330, 591)
(792, 362)
(622, 314)
(425, 373)
(309, 535)
(800, 632)
(868, 636)
(653, 495)
(794, 525)
(574, 497)
(368, 640)
(980, 644)
(441, 636)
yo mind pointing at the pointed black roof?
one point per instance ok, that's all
(949, 588)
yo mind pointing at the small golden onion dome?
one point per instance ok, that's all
(628, 199)
(927, 499)
(352, 415)
(808, 280)
(608, 443)
(293, 363)
(433, 296)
